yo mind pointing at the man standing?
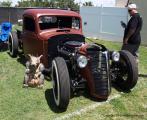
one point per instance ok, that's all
(132, 37)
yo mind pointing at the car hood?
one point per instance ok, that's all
(46, 34)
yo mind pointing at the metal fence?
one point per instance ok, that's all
(103, 22)
(99, 22)
(10, 14)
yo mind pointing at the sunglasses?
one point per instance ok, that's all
(129, 10)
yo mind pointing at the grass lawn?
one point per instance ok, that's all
(17, 103)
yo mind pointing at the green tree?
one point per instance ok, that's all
(88, 3)
(63, 4)
(7, 3)
(30, 3)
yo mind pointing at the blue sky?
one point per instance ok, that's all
(94, 1)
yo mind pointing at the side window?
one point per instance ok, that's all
(29, 24)
(75, 23)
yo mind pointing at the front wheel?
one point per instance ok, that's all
(61, 83)
(127, 71)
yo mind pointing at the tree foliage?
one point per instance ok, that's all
(88, 3)
(6, 3)
(63, 4)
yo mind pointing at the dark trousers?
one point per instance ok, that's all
(131, 48)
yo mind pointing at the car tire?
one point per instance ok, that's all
(13, 44)
(61, 83)
(129, 71)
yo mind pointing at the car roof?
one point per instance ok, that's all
(57, 12)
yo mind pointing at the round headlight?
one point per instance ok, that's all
(82, 61)
(115, 56)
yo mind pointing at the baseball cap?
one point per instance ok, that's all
(132, 6)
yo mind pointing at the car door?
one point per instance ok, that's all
(31, 44)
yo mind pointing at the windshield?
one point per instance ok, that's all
(49, 22)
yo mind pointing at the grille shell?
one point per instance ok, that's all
(99, 65)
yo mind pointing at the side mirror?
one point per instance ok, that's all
(20, 22)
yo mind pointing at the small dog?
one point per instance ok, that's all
(33, 73)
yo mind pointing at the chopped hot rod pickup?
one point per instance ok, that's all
(73, 63)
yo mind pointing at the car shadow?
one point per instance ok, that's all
(50, 101)
(116, 87)
(21, 59)
(3, 46)
(143, 75)
(86, 93)
(47, 78)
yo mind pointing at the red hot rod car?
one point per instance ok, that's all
(73, 63)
